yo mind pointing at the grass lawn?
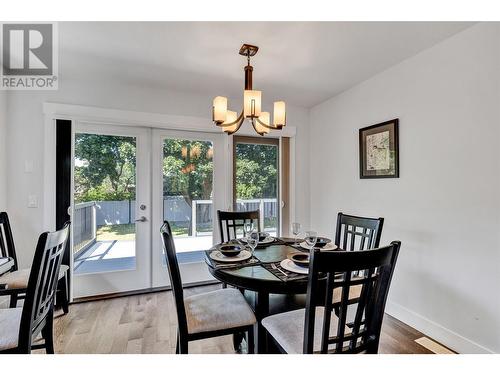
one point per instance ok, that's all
(126, 232)
(118, 232)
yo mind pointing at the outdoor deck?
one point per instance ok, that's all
(119, 255)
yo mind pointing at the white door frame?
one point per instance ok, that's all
(191, 272)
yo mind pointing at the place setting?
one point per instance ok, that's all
(323, 243)
(239, 252)
(296, 265)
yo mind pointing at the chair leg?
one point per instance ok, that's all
(250, 341)
(13, 301)
(182, 345)
(237, 340)
(65, 294)
(48, 334)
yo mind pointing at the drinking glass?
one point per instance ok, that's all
(253, 240)
(311, 238)
(296, 231)
(248, 228)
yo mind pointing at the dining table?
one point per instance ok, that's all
(263, 275)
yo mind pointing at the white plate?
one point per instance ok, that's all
(328, 246)
(288, 265)
(267, 240)
(243, 255)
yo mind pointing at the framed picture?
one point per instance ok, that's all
(379, 150)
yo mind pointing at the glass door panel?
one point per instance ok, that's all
(103, 221)
(256, 181)
(187, 193)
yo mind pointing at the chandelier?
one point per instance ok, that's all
(230, 121)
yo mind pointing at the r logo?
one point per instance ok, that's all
(27, 49)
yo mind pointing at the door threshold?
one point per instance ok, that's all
(139, 291)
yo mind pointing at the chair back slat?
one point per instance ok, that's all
(42, 284)
(7, 248)
(358, 233)
(230, 222)
(175, 276)
(369, 270)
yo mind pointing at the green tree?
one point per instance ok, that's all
(104, 167)
(188, 169)
(256, 171)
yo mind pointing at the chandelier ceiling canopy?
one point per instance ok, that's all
(230, 121)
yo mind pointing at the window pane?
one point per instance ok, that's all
(257, 182)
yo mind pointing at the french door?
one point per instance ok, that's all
(111, 209)
(126, 182)
(189, 185)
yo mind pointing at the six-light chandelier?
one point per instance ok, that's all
(231, 122)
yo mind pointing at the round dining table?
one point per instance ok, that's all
(260, 278)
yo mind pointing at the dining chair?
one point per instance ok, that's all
(357, 327)
(357, 232)
(231, 221)
(16, 280)
(217, 313)
(19, 327)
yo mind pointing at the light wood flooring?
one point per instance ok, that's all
(146, 323)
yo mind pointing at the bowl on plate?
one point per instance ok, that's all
(299, 259)
(230, 250)
(263, 236)
(322, 242)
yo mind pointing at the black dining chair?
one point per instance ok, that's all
(19, 327)
(16, 280)
(217, 313)
(232, 221)
(357, 232)
(357, 327)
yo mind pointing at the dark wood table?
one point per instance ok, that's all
(262, 282)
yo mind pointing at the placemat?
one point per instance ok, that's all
(291, 276)
(219, 265)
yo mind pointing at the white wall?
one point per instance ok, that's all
(3, 153)
(26, 134)
(445, 206)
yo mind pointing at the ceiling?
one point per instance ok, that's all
(304, 63)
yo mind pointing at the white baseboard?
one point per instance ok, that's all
(435, 331)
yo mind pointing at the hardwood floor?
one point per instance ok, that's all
(146, 323)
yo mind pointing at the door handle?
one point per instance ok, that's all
(141, 219)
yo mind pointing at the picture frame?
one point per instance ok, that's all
(379, 150)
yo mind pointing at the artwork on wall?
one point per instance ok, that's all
(379, 150)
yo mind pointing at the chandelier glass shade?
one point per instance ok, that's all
(230, 121)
